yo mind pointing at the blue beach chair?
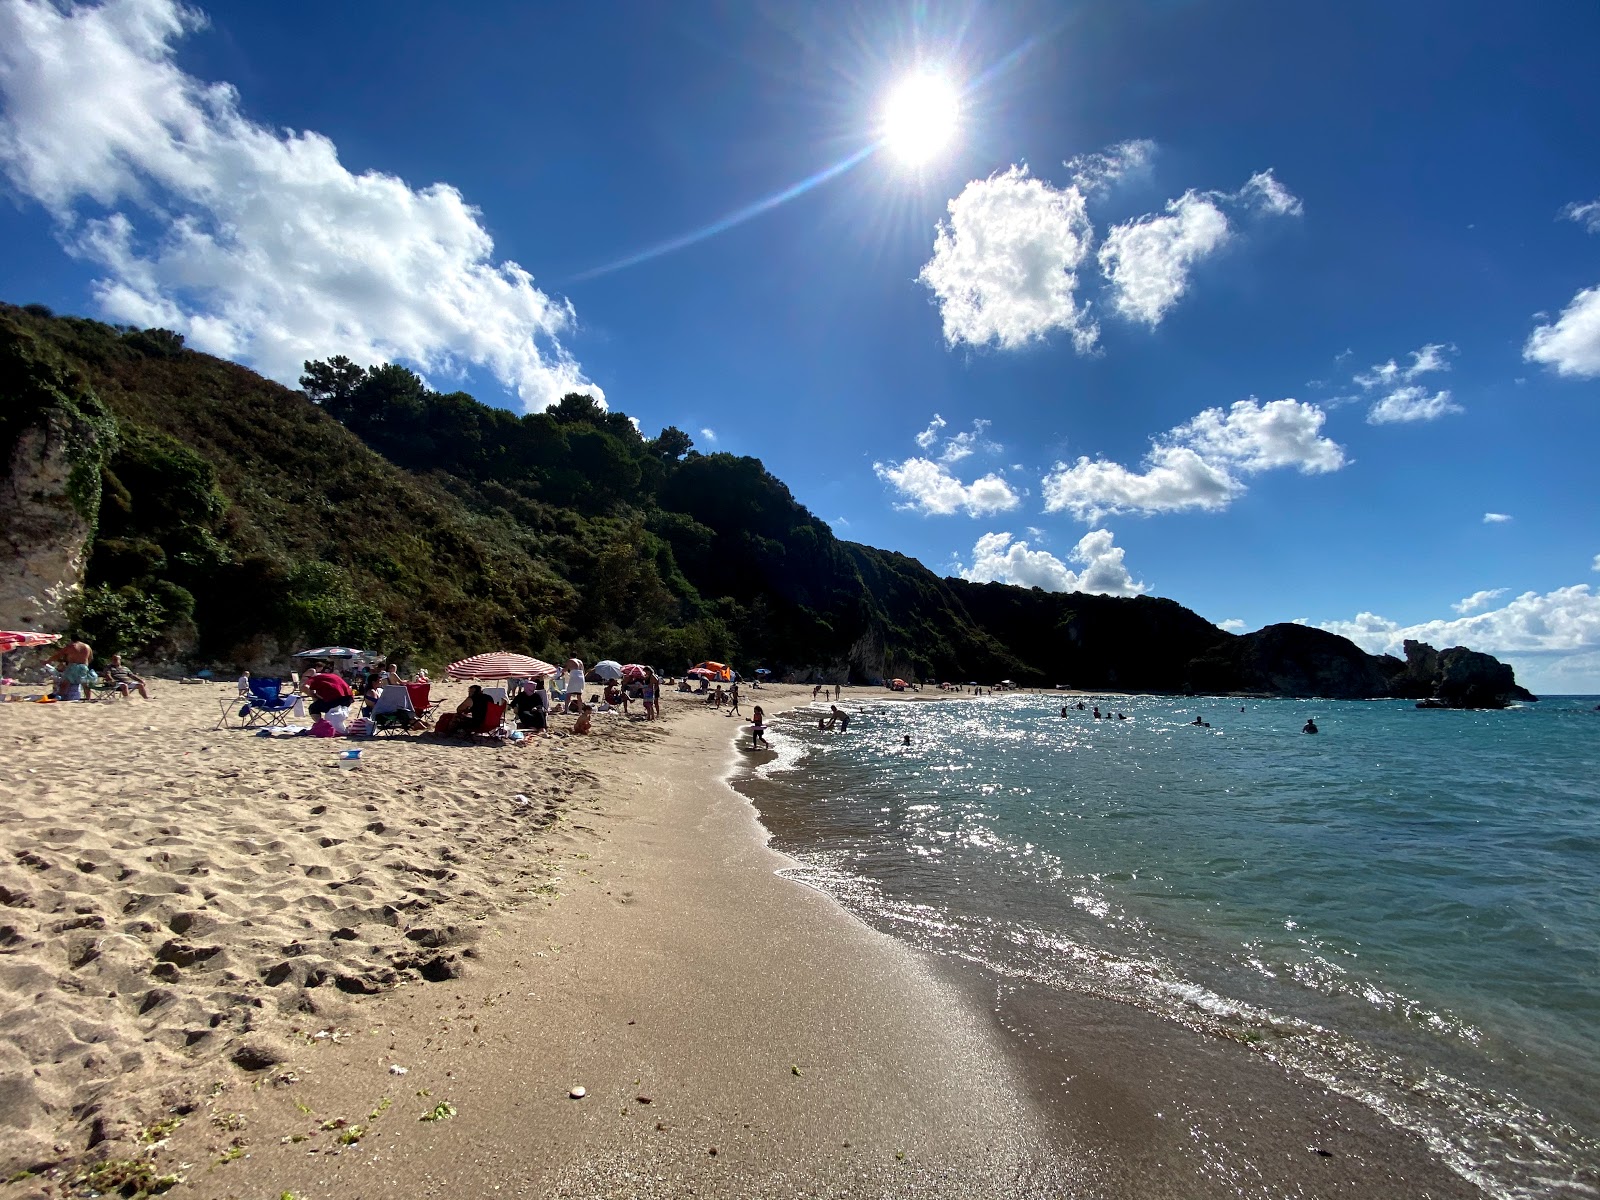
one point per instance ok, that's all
(266, 705)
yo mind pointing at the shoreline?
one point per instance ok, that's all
(1165, 1110)
(707, 1002)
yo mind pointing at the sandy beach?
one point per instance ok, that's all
(227, 961)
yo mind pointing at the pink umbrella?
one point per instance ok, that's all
(632, 671)
(11, 639)
(500, 665)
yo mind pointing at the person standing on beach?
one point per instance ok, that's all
(76, 673)
(733, 700)
(836, 690)
(574, 685)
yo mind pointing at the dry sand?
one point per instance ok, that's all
(192, 919)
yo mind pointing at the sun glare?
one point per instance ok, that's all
(920, 117)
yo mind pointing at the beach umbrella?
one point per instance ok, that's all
(762, 671)
(500, 665)
(608, 669)
(897, 683)
(632, 671)
(335, 652)
(19, 639)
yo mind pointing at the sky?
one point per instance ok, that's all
(1285, 312)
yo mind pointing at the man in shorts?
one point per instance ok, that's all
(77, 675)
(124, 680)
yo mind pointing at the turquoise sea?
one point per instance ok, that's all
(1404, 907)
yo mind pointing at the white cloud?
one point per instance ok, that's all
(930, 435)
(1587, 215)
(1496, 518)
(1404, 400)
(962, 445)
(931, 489)
(1005, 265)
(996, 558)
(1269, 196)
(1572, 344)
(1147, 261)
(1477, 600)
(1198, 464)
(1551, 640)
(1596, 566)
(710, 435)
(1232, 625)
(255, 243)
(1411, 403)
(1099, 172)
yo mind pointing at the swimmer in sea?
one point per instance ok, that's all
(1310, 726)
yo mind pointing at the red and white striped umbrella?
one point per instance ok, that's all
(499, 665)
(15, 639)
(632, 671)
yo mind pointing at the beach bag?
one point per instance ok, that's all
(338, 718)
(322, 727)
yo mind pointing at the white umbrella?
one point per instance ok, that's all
(608, 669)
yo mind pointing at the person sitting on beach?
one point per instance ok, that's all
(327, 690)
(616, 697)
(532, 707)
(473, 709)
(585, 719)
(118, 676)
(758, 727)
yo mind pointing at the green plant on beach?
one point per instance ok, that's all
(160, 1130)
(439, 1112)
(132, 1178)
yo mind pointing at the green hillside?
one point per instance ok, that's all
(238, 520)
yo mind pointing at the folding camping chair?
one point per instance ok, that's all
(393, 711)
(267, 705)
(421, 703)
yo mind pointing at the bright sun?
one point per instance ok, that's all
(920, 117)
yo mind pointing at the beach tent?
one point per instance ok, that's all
(20, 639)
(500, 665)
(714, 671)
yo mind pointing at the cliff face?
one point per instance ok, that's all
(54, 439)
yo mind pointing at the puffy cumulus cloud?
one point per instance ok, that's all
(1546, 637)
(710, 435)
(1404, 400)
(1496, 518)
(997, 558)
(1101, 171)
(1596, 565)
(1005, 265)
(930, 488)
(1232, 625)
(1148, 260)
(1587, 215)
(1198, 464)
(1477, 600)
(255, 243)
(1411, 403)
(1572, 344)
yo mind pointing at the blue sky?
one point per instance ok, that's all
(1287, 312)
